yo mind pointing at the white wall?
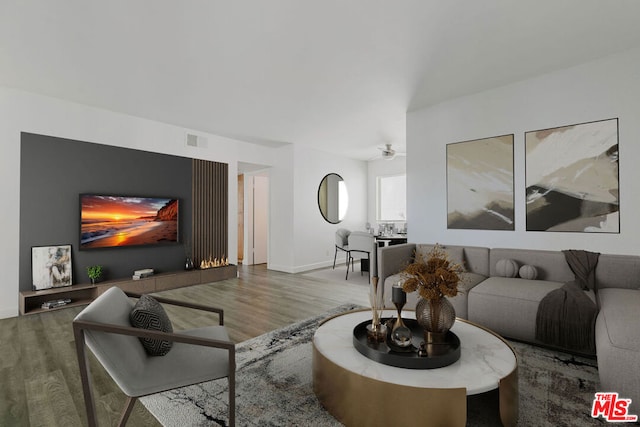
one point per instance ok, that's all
(281, 242)
(376, 168)
(603, 89)
(311, 244)
(25, 112)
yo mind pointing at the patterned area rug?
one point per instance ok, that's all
(274, 387)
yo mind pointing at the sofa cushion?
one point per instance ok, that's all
(618, 271)
(506, 268)
(515, 288)
(469, 281)
(619, 312)
(392, 280)
(455, 253)
(508, 306)
(528, 272)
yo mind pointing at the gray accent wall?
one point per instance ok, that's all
(55, 171)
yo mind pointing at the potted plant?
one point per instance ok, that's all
(95, 273)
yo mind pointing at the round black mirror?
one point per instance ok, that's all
(333, 198)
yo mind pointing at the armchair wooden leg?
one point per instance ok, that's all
(232, 401)
(85, 377)
(232, 388)
(127, 411)
(335, 255)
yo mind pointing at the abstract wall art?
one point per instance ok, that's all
(51, 266)
(480, 184)
(572, 179)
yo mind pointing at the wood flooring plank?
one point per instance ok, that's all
(13, 404)
(37, 352)
(50, 402)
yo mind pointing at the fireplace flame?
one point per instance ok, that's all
(214, 262)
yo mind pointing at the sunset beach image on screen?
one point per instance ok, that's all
(111, 221)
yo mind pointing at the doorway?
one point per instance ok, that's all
(254, 208)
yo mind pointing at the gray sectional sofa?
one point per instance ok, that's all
(508, 305)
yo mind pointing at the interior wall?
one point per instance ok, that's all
(603, 89)
(281, 211)
(314, 237)
(55, 171)
(26, 112)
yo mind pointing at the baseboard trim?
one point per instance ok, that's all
(301, 268)
(6, 313)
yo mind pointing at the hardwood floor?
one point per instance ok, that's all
(39, 378)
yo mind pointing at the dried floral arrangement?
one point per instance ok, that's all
(433, 275)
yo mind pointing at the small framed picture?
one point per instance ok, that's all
(51, 266)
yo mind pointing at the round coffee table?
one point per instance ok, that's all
(359, 391)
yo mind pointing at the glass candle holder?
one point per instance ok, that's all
(400, 334)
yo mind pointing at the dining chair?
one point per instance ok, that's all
(362, 243)
(342, 243)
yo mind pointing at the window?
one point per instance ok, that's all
(391, 198)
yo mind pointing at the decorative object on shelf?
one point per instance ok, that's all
(400, 334)
(141, 274)
(376, 330)
(434, 277)
(48, 305)
(188, 253)
(51, 266)
(95, 273)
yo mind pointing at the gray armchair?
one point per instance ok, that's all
(342, 243)
(197, 355)
(363, 244)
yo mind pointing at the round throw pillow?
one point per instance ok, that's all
(507, 268)
(528, 272)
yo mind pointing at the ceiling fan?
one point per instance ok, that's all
(389, 153)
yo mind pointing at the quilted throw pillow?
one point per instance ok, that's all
(149, 314)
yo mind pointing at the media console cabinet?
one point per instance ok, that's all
(31, 301)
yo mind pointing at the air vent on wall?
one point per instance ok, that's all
(196, 141)
(192, 140)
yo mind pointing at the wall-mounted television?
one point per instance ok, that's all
(115, 221)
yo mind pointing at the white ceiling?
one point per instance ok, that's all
(338, 75)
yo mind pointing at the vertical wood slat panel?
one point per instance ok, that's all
(210, 210)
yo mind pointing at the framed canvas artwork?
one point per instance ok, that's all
(51, 266)
(572, 180)
(480, 184)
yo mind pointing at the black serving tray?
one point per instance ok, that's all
(438, 355)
